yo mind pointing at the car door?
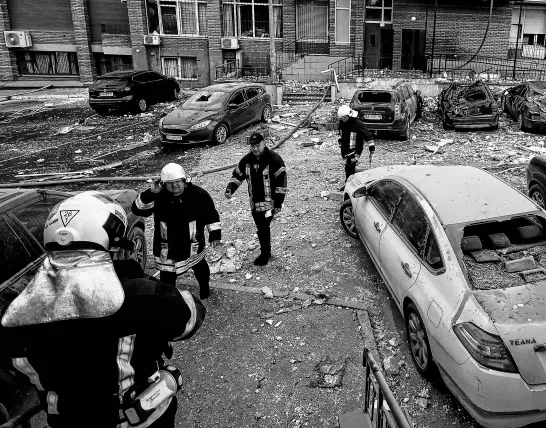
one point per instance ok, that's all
(163, 88)
(401, 245)
(254, 96)
(237, 110)
(145, 87)
(374, 211)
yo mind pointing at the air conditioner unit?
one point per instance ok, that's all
(230, 43)
(17, 39)
(152, 39)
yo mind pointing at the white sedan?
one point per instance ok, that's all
(464, 255)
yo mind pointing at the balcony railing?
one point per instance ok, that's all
(537, 52)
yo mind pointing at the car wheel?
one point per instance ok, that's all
(418, 342)
(139, 253)
(538, 195)
(521, 125)
(141, 105)
(446, 126)
(266, 114)
(347, 218)
(220, 134)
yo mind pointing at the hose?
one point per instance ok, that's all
(144, 178)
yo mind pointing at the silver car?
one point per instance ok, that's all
(464, 256)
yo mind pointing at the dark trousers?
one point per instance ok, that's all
(264, 233)
(201, 271)
(350, 166)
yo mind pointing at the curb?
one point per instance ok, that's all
(48, 97)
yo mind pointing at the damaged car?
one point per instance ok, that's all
(463, 254)
(466, 106)
(526, 103)
(215, 112)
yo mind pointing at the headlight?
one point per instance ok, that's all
(199, 125)
(161, 123)
(486, 348)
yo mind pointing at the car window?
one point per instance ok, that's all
(238, 98)
(386, 195)
(374, 97)
(142, 78)
(410, 220)
(13, 253)
(433, 256)
(252, 92)
(33, 216)
(154, 76)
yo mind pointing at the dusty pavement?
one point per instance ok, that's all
(311, 252)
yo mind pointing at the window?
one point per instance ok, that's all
(411, 222)
(51, 63)
(110, 63)
(379, 11)
(253, 92)
(180, 17)
(182, 68)
(433, 256)
(13, 254)
(386, 194)
(238, 98)
(250, 18)
(343, 21)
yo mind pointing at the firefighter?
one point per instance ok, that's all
(89, 341)
(352, 133)
(181, 211)
(265, 173)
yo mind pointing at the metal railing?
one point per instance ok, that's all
(234, 70)
(379, 402)
(527, 51)
(373, 65)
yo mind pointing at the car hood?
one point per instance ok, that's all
(181, 117)
(519, 314)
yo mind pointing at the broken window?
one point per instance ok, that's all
(386, 194)
(250, 18)
(433, 256)
(205, 100)
(182, 17)
(410, 220)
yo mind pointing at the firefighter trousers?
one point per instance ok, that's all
(264, 232)
(201, 271)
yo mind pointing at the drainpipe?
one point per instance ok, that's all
(517, 41)
(433, 37)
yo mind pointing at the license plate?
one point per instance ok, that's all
(171, 137)
(369, 116)
(106, 94)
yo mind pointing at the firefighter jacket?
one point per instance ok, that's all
(84, 367)
(353, 133)
(266, 179)
(179, 235)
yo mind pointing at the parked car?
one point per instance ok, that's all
(131, 90)
(462, 105)
(23, 214)
(536, 180)
(457, 249)
(386, 107)
(526, 103)
(215, 112)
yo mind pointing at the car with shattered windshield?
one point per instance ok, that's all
(387, 107)
(463, 254)
(468, 106)
(23, 213)
(215, 112)
(526, 103)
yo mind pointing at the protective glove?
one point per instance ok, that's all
(155, 186)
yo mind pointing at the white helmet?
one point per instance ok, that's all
(173, 172)
(345, 110)
(89, 217)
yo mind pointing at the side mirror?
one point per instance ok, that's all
(232, 106)
(360, 192)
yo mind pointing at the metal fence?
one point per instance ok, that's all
(234, 70)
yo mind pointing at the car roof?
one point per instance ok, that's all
(462, 194)
(120, 73)
(228, 87)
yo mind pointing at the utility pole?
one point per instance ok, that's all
(272, 56)
(517, 41)
(433, 38)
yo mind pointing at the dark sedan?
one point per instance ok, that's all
(468, 106)
(131, 90)
(526, 103)
(215, 112)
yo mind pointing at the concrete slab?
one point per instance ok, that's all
(355, 419)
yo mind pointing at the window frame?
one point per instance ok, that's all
(382, 8)
(179, 68)
(237, 17)
(239, 91)
(179, 30)
(430, 268)
(379, 206)
(259, 91)
(418, 252)
(337, 42)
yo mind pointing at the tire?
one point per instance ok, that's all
(446, 126)
(347, 219)
(538, 195)
(521, 125)
(141, 105)
(140, 254)
(220, 134)
(266, 113)
(419, 345)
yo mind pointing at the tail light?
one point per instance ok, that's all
(486, 348)
(397, 113)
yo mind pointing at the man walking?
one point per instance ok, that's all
(352, 132)
(265, 173)
(181, 211)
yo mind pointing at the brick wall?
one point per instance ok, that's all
(214, 34)
(136, 10)
(116, 40)
(8, 64)
(289, 25)
(82, 37)
(53, 37)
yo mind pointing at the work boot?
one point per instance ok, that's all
(204, 292)
(262, 260)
